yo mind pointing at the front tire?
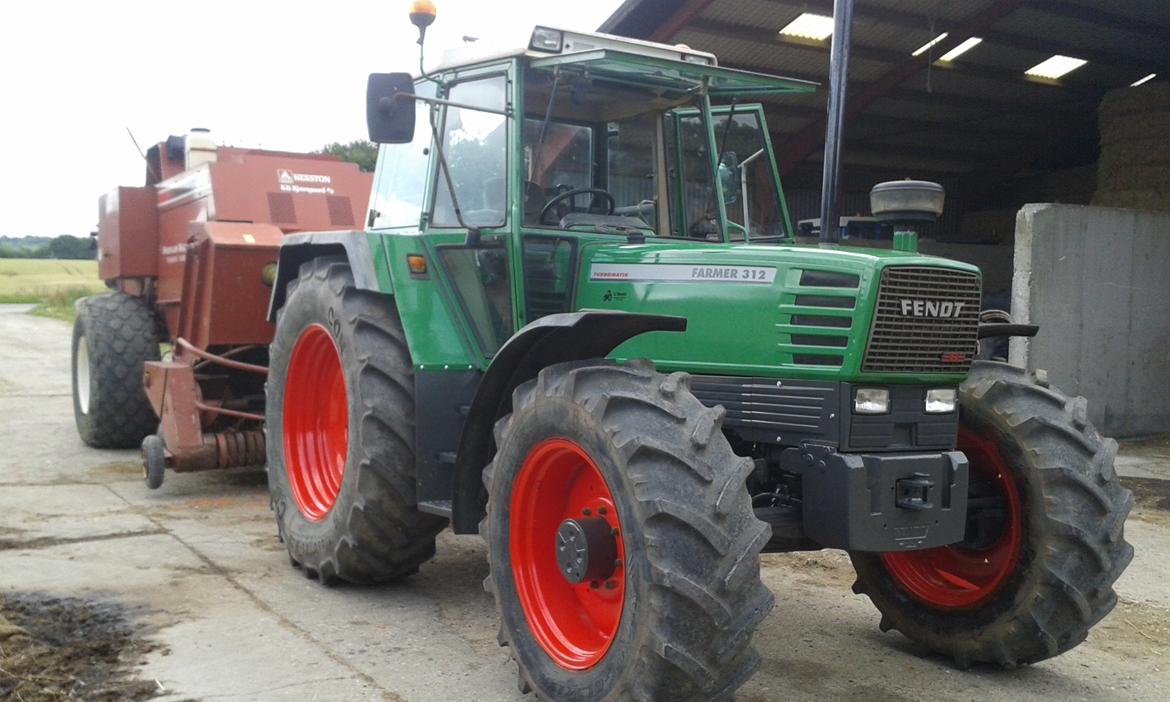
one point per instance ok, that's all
(340, 421)
(1036, 569)
(113, 336)
(623, 548)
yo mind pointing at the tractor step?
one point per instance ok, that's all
(441, 508)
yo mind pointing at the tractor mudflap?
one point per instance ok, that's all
(881, 502)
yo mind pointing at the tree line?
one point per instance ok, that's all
(361, 152)
(64, 246)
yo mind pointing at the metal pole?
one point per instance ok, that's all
(838, 73)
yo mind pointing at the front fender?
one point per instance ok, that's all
(557, 338)
(296, 249)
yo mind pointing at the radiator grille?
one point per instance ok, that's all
(765, 409)
(916, 328)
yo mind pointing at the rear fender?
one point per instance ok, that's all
(296, 249)
(557, 338)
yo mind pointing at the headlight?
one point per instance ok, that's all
(871, 401)
(940, 400)
(545, 39)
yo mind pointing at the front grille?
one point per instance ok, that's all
(766, 409)
(915, 329)
(816, 324)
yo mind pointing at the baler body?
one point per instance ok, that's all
(198, 243)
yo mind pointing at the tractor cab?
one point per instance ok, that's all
(602, 136)
(515, 162)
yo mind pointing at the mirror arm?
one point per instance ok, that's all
(449, 103)
(422, 71)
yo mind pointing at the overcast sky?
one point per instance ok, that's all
(259, 73)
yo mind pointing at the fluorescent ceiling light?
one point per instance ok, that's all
(1147, 79)
(922, 49)
(961, 49)
(1055, 67)
(809, 26)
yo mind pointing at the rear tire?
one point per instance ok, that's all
(348, 511)
(113, 335)
(1034, 589)
(672, 617)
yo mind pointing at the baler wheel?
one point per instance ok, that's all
(340, 423)
(624, 551)
(154, 462)
(1045, 532)
(113, 335)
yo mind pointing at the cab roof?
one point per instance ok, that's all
(624, 60)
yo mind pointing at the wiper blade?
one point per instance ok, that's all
(552, 96)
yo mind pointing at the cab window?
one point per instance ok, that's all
(475, 144)
(402, 172)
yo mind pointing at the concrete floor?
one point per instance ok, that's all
(198, 564)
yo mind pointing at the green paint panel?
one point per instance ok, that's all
(436, 337)
(773, 329)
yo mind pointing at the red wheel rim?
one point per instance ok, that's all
(574, 623)
(953, 577)
(315, 429)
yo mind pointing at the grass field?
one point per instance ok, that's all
(51, 285)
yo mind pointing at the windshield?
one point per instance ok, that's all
(622, 158)
(751, 195)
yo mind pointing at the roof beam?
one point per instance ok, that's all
(884, 126)
(766, 37)
(809, 140)
(679, 19)
(937, 98)
(911, 20)
(1103, 18)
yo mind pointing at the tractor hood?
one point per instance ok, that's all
(764, 310)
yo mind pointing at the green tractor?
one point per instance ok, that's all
(578, 325)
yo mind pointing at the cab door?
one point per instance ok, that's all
(472, 193)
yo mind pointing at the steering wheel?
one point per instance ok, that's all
(572, 195)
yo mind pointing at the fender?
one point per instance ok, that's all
(296, 249)
(557, 338)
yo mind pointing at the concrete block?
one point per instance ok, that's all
(1097, 281)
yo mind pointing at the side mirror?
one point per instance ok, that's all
(390, 108)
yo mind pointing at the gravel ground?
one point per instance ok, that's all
(194, 570)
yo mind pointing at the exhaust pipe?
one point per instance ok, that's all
(838, 73)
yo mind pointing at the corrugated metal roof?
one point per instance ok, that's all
(983, 105)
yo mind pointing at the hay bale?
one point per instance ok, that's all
(1134, 167)
(1136, 178)
(1122, 102)
(1141, 199)
(1137, 125)
(1139, 152)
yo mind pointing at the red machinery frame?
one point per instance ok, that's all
(199, 242)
